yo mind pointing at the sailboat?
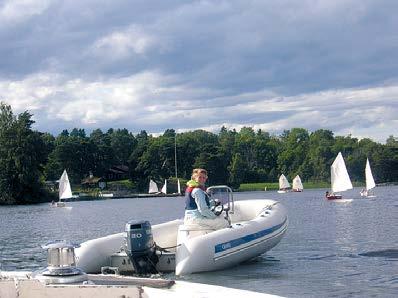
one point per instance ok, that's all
(297, 184)
(339, 178)
(284, 184)
(370, 182)
(178, 193)
(153, 188)
(178, 186)
(164, 188)
(65, 191)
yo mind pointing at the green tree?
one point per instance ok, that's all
(320, 156)
(384, 163)
(22, 155)
(392, 141)
(266, 148)
(245, 146)
(123, 144)
(237, 170)
(295, 147)
(76, 153)
(104, 157)
(137, 170)
(212, 160)
(190, 145)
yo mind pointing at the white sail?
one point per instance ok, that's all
(164, 188)
(297, 184)
(339, 175)
(370, 182)
(178, 186)
(65, 191)
(153, 188)
(283, 183)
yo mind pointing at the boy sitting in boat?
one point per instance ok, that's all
(332, 196)
(197, 204)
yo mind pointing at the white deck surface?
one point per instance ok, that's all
(19, 285)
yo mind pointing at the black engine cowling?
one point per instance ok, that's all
(140, 246)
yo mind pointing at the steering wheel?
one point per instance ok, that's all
(217, 209)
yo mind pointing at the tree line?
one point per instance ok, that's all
(28, 158)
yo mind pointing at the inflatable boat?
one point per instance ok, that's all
(256, 226)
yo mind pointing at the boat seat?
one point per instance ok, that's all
(194, 230)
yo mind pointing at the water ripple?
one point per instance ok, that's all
(385, 253)
(330, 250)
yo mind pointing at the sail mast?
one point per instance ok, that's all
(175, 153)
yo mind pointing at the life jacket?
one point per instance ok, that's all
(190, 203)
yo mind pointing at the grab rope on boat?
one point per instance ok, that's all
(165, 249)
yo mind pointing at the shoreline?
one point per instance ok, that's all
(244, 187)
(307, 185)
(124, 196)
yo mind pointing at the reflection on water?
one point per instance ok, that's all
(330, 249)
(385, 253)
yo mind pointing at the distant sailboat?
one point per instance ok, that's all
(297, 184)
(284, 184)
(178, 186)
(164, 188)
(339, 178)
(65, 191)
(153, 188)
(370, 182)
(178, 192)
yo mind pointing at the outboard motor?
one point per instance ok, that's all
(140, 247)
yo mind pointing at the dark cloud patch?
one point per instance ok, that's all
(141, 56)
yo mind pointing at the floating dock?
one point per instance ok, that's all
(22, 285)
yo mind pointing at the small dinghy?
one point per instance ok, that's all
(256, 226)
(339, 177)
(284, 184)
(370, 182)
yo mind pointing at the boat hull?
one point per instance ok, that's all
(230, 246)
(334, 197)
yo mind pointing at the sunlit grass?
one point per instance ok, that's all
(258, 186)
(123, 183)
(275, 186)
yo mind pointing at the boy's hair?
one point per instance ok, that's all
(196, 172)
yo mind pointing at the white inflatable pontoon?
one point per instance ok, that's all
(256, 227)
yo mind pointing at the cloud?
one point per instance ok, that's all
(16, 11)
(154, 102)
(202, 64)
(121, 45)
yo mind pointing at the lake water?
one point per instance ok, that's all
(331, 249)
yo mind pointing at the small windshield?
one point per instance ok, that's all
(223, 194)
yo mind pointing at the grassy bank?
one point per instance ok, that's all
(275, 186)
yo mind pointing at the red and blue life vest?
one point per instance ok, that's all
(190, 203)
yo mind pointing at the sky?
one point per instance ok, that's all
(185, 65)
